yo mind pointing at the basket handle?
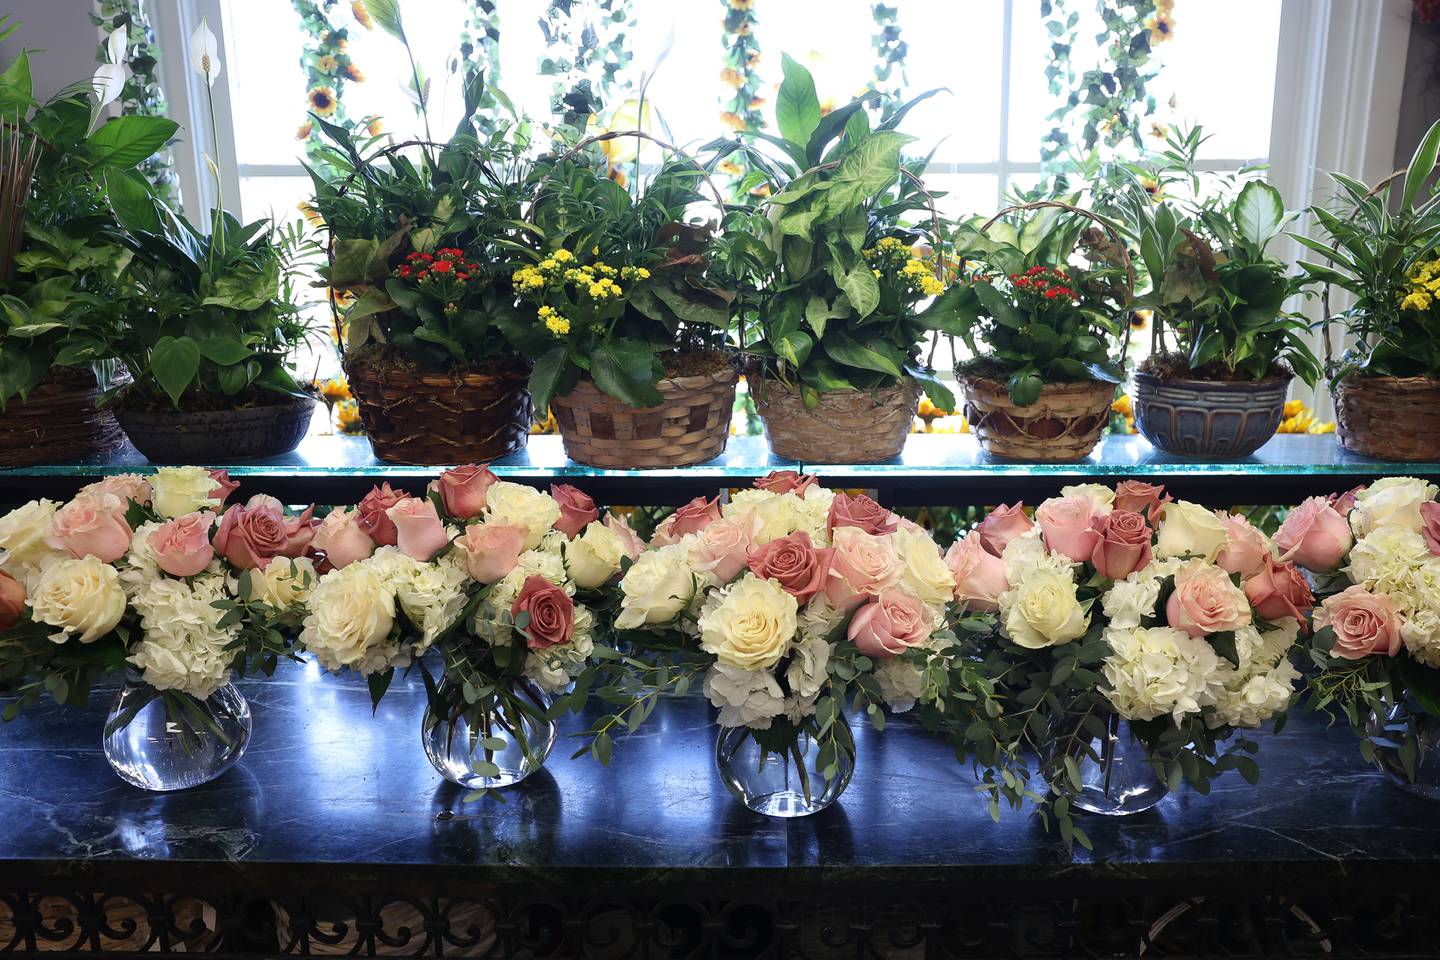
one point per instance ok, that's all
(1325, 288)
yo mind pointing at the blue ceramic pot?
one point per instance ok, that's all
(1208, 418)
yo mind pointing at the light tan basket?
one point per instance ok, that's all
(846, 426)
(1389, 418)
(689, 427)
(1064, 424)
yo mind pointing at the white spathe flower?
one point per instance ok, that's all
(923, 571)
(593, 558)
(657, 588)
(1190, 529)
(176, 491)
(205, 52)
(901, 683)
(109, 83)
(117, 44)
(1043, 610)
(81, 597)
(535, 510)
(1154, 671)
(1391, 502)
(746, 698)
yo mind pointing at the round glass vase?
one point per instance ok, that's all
(1116, 776)
(163, 740)
(781, 776)
(1387, 732)
(495, 742)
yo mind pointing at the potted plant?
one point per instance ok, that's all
(1216, 385)
(211, 326)
(841, 292)
(1383, 251)
(1041, 330)
(58, 269)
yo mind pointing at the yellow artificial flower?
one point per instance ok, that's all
(1161, 27)
(335, 390)
(375, 127)
(733, 120)
(311, 215)
(322, 101)
(1299, 419)
(354, 73)
(327, 64)
(362, 14)
(347, 417)
(732, 78)
(305, 130)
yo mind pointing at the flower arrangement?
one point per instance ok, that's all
(1119, 608)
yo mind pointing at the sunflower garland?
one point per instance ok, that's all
(142, 96)
(328, 68)
(742, 105)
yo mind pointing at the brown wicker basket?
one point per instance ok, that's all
(846, 426)
(690, 427)
(117, 922)
(1389, 418)
(442, 418)
(1064, 424)
(58, 422)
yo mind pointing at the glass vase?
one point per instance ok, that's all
(1116, 778)
(495, 742)
(1387, 733)
(165, 740)
(781, 779)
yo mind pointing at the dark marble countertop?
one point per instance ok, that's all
(327, 791)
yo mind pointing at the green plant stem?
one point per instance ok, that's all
(217, 226)
(800, 768)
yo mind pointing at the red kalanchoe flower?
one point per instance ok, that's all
(442, 266)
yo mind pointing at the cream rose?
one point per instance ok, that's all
(1043, 610)
(1391, 502)
(352, 611)
(80, 597)
(1098, 494)
(593, 558)
(516, 503)
(283, 584)
(749, 624)
(176, 491)
(1189, 528)
(657, 588)
(923, 570)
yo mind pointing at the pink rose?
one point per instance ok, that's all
(220, 494)
(890, 624)
(1316, 535)
(794, 563)
(1278, 591)
(463, 489)
(1345, 502)
(631, 541)
(1123, 544)
(979, 575)
(1430, 524)
(860, 511)
(341, 539)
(182, 546)
(492, 549)
(1137, 496)
(1245, 550)
(1002, 525)
(1066, 527)
(723, 548)
(552, 613)
(251, 536)
(418, 530)
(691, 518)
(12, 601)
(1364, 623)
(93, 524)
(1205, 602)
(126, 486)
(785, 481)
(372, 518)
(861, 565)
(577, 510)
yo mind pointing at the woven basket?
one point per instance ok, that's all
(58, 422)
(690, 427)
(1389, 418)
(1064, 424)
(124, 924)
(846, 426)
(442, 418)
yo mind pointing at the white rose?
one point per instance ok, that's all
(593, 558)
(749, 624)
(657, 588)
(1189, 528)
(901, 683)
(352, 611)
(1391, 502)
(80, 597)
(1043, 611)
(176, 491)
(746, 698)
(533, 509)
(284, 584)
(1101, 496)
(23, 537)
(923, 570)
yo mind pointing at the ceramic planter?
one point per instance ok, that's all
(1208, 418)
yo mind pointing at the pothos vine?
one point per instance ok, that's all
(142, 94)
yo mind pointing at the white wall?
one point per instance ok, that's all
(62, 29)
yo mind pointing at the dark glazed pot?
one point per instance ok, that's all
(1208, 418)
(218, 436)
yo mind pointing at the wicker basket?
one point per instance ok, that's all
(690, 427)
(442, 418)
(846, 426)
(1389, 418)
(1063, 425)
(58, 422)
(108, 923)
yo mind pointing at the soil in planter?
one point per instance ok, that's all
(693, 363)
(195, 401)
(1174, 366)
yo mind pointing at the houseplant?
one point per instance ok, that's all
(1381, 250)
(1219, 389)
(1040, 330)
(58, 266)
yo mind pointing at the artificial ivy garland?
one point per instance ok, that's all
(142, 96)
(589, 55)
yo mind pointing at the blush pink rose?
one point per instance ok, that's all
(341, 539)
(1123, 544)
(892, 623)
(1365, 623)
(1345, 502)
(577, 510)
(552, 613)
(629, 539)
(126, 486)
(220, 494)
(1205, 602)
(1278, 591)
(691, 518)
(463, 490)
(785, 481)
(1002, 525)
(418, 530)
(12, 601)
(1316, 535)
(251, 536)
(1066, 525)
(1137, 496)
(723, 548)
(861, 565)
(1245, 550)
(372, 517)
(860, 511)
(93, 524)
(979, 575)
(491, 550)
(182, 546)
(1430, 524)
(793, 562)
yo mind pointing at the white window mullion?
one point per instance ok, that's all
(1003, 167)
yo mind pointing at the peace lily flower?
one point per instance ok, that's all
(109, 78)
(205, 52)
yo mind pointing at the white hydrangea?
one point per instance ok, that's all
(1129, 600)
(1421, 632)
(901, 683)
(553, 668)
(809, 661)
(432, 595)
(139, 567)
(746, 698)
(817, 619)
(1027, 553)
(183, 647)
(1385, 560)
(1154, 671)
(1263, 683)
